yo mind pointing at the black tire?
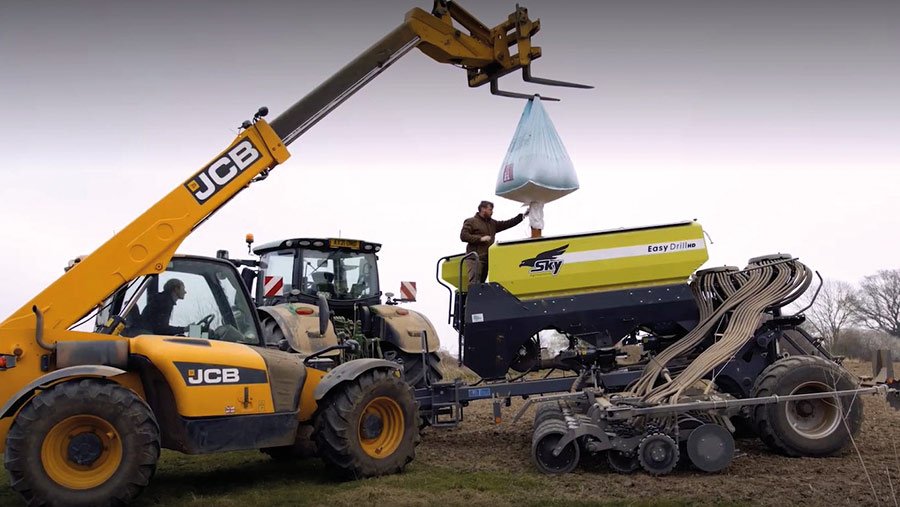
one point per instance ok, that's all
(349, 410)
(415, 369)
(414, 372)
(547, 410)
(813, 428)
(54, 416)
(545, 439)
(622, 463)
(271, 331)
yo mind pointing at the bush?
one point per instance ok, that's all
(862, 343)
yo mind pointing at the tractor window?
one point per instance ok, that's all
(340, 274)
(279, 268)
(359, 276)
(318, 273)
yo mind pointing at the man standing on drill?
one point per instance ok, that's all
(479, 232)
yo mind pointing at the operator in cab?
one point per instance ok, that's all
(159, 309)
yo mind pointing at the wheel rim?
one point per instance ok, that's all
(658, 454)
(81, 452)
(381, 427)
(816, 418)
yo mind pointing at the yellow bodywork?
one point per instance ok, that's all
(308, 405)
(592, 262)
(28, 359)
(207, 400)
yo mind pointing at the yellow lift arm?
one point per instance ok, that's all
(147, 244)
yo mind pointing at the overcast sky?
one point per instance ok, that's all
(775, 124)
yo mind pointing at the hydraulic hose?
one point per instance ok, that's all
(729, 299)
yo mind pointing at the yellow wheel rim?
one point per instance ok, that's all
(381, 427)
(81, 452)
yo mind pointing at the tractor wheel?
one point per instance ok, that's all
(415, 369)
(369, 426)
(82, 443)
(271, 331)
(818, 427)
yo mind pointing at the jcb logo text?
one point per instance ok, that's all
(214, 177)
(214, 376)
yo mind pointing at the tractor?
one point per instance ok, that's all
(296, 282)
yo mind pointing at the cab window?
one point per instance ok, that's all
(278, 264)
(195, 298)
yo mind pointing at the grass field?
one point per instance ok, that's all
(480, 464)
(251, 479)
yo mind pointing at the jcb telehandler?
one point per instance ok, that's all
(84, 414)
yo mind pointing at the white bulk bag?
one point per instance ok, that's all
(537, 168)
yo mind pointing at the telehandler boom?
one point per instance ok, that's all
(84, 415)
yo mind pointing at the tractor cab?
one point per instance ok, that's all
(313, 294)
(301, 270)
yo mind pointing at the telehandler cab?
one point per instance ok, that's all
(84, 414)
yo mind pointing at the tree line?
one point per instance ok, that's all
(855, 319)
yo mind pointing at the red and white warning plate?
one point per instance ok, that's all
(272, 286)
(408, 291)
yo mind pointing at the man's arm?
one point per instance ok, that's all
(512, 222)
(170, 330)
(158, 321)
(466, 235)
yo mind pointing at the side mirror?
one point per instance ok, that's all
(324, 314)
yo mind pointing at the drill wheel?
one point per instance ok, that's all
(545, 440)
(658, 454)
(547, 410)
(710, 447)
(622, 463)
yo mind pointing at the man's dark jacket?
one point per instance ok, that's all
(476, 227)
(157, 314)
